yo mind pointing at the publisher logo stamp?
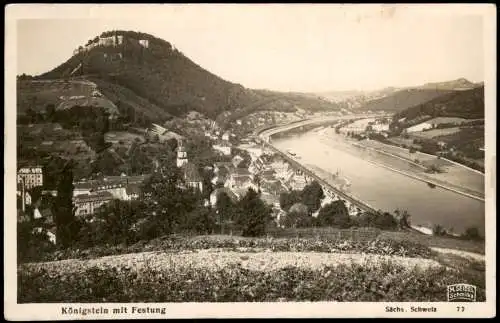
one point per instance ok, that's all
(461, 293)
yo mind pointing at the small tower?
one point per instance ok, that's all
(181, 155)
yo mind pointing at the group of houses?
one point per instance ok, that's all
(221, 140)
(28, 178)
(90, 195)
(267, 173)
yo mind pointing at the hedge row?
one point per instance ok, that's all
(376, 246)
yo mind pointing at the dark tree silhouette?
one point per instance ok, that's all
(253, 215)
(63, 209)
(312, 195)
(334, 214)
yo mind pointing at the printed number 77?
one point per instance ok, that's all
(460, 308)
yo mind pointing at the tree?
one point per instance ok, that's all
(50, 111)
(225, 210)
(117, 218)
(202, 221)
(63, 209)
(385, 221)
(334, 214)
(253, 215)
(172, 143)
(287, 199)
(312, 195)
(472, 234)
(403, 217)
(297, 219)
(438, 230)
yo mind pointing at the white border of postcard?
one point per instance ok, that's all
(14, 311)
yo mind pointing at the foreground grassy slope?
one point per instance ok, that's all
(229, 269)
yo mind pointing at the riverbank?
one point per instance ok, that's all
(446, 186)
(455, 174)
(454, 178)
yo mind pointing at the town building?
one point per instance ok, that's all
(181, 155)
(30, 176)
(144, 43)
(256, 166)
(24, 195)
(114, 40)
(88, 204)
(240, 181)
(51, 233)
(297, 181)
(162, 133)
(271, 190)
(226, 135)
(236, 160)
(192, 177)
(22, 217)
(223, 166)
(379, 127)
(123, 187)
(221, 176)
(271, 200)
(222, 147)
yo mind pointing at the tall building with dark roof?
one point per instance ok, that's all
(192, 177)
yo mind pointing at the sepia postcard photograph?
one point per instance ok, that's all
(249, 161)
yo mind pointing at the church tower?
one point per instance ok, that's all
(181, 155)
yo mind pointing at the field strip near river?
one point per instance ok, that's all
(461, 253)
(216, 258)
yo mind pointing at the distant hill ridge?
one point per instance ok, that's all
(394, 99)
(468, 104)
(456, 85)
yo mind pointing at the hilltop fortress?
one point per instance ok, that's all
(107, 40)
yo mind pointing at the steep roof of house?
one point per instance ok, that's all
(113, 181)
(240, 192)
(191, 173)
(241, 172)
(104, 195)
(268, 174)
(273, 187)
(223, 164)
(241, 180)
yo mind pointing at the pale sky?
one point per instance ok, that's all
(309, 48)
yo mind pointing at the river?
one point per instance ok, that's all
(385, 189)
